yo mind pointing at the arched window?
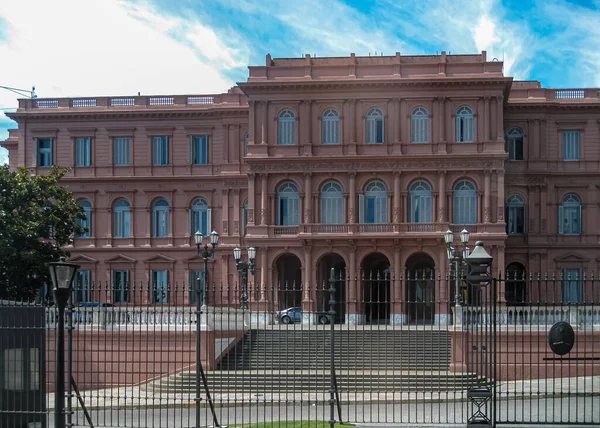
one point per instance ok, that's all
(246, 139)
(375, 126)
(200, 217)
(87, 223)
(373, 204)
(286, 130)
(465, 203)
(419, 125)
(420, 206)
(515, 285)
(515, 216)
(569, 215)
(465, 125)
(288, 204)
(122, 216)
(330, 125)
(332, 203)
(514, 144)
(160, 218)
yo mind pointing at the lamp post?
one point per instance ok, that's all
(206, 253)
(242, 268)
(457, 256)
(62, 275)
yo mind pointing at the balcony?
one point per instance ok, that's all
(381, 229)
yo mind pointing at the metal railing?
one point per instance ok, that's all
(373, 346)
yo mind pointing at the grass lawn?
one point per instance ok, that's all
(291, 424)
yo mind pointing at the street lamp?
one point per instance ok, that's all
(242, 268)
(206, 253)
(457, 256)
(62, 275)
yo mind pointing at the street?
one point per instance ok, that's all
(582, 410)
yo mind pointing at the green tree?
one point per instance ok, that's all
(38, 217)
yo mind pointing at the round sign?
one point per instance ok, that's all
(561, 338)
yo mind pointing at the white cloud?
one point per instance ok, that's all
(108, 47)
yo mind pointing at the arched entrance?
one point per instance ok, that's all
(324, 266)
(376, 288)
(289, 281)
(420, 289)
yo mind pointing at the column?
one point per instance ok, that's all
(441, 218)
(225, 143)
(352, 199)
(251, 198)
(353, 317)
(251, 120)
(308, 113)
(396, 211)
(486, 118)
(499, 118)
(237, 211)
(500, 197)
(263, 200)
(225, 213)
(307, 197)
(306, 280)
(264, 280)
(264, 123)
(352, 120)
(398, 316)
(487, 215)
(442, 119)
(398, 120)
(531, 225)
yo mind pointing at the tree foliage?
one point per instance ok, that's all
(38, 218)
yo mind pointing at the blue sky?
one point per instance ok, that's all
(107, 47)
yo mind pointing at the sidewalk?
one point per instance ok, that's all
(140, 397)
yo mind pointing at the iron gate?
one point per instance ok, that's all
(401, 349)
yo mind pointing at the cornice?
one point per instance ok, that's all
(378, 165)
(49, 114)
(318, 86)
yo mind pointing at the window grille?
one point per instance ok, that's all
(572, 287)
(160, 282)
(122, 102)
(120, 286)
(195, 100)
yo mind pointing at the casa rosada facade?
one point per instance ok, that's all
(356, 163)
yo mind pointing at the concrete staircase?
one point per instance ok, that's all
(287, 360)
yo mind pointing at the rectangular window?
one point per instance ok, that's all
(120, 286)
(44, 152)
(121, 151)
(516, 220)
(572, 286)
(196, 282)
(160, 151)
(199, 150)
(83, 151)
(571, 141)
(160, 286)
(14, 370)
(82, 291)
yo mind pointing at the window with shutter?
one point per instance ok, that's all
(465, 125)
(160, 219)
(465, 203)
(375, 126)
(121, 216)
(419, 125)
(83, 151)
(332, 203)
(375, 209)
(121, 151)
(330, 123)
(288, 204)
(286, 128)
(571, 145)
(569, 215)
(420, 207)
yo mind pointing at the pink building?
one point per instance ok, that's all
(356, 163)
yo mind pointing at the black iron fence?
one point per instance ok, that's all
(365, 348)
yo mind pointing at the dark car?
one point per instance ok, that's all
(292, 315)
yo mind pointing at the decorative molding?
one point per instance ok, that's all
(415, 165)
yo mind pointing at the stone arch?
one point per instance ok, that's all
(420, 288)
(324, 264)
(375, 283)
(287, 267)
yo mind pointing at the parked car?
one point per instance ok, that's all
(292, 315)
